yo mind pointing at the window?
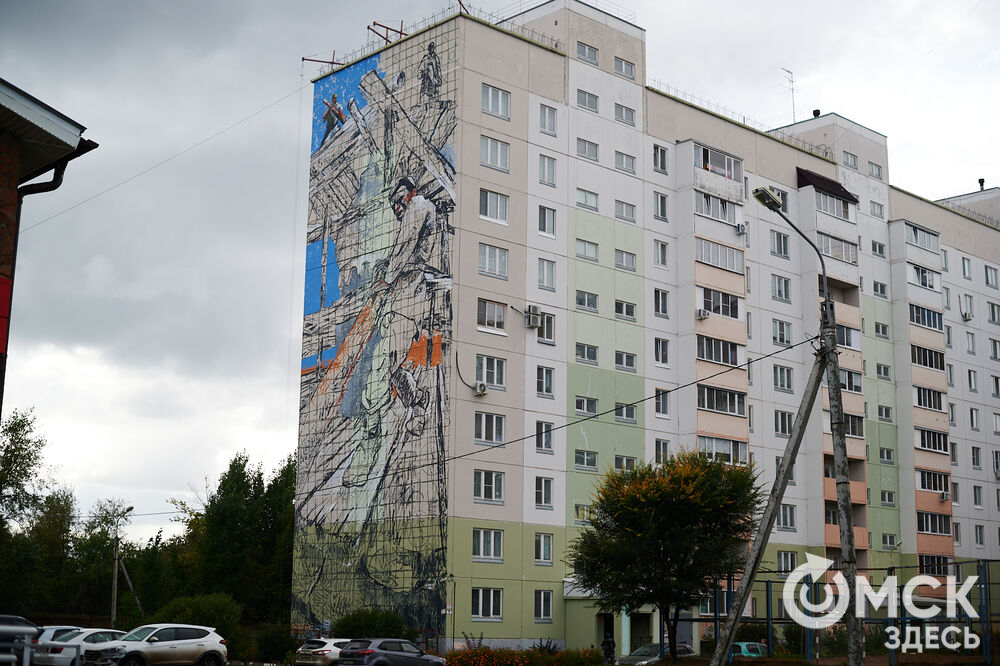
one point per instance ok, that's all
(624, 211)
(954, 492)
(994, 349)
(880, 289)
(970, 342)
(731, 451)
(850, 160)
(980, 535)
(547, 120)
(781, 288)
(934, 565)
(586, 199)
(886, 456)
(779, 244)
(781, 195)
(624, 260)
(586, 100)
(624, 68)
(996, 429)
(586, 353)
(882, 371)
(487, 603)
(996, 385)
(494, 153)
(888, 541)
(543, 436)
(848, 337)
(546, 274)
(714, 207)
(722, 400)
(932, 440)
(929, 398)
(927, 318)
(977, 458)
(544, 381)
(489, 428)
(543, 605)
(718, 162)
(660, 249)
(547, 170)
(585, 405)
(487, 544)
(661, 402)
(660, 297)
(586, 53)
(827, 203)
(492, 370)
(586, 249)
(874, 170)
(624, 412)
(543, 492)
(783, 423)
(935, 482)
(661, 351)
(547, 331)
(660, 202)
(492, 261)
(719, 351)
(928, 358)
(781, 332)
(582, 513)
(493, 206)
(721, 303)
(625, 310)
(878, 210)
(624, 114)
(787, 562)
(659, 158)
(973, 381)
(782, 378)
(994, 312)
(543, 548)
(586, 149)
(934, 523)
(974, 418)
(624, 162)
(786, 518)
(487, 486)
(661, 450)
(885, 413)
(967, 302)
(791, 473)
(924, 277)
(837, 248)
(586, 459)
(991, 277)
(546, 221)
(967, 268)
(854, 425)
(920, 237)
(624, 361)
(496, 102)
(951, 416)
(490, 315)
(720, 256)
(950, 373)
(878, 249)
(850, 380)
(586, 300)
(888, 498)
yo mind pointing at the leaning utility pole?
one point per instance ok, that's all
(826, 362)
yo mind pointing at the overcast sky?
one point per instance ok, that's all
(156, 326)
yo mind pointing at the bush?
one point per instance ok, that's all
(274, 642)
(484, 656)
(212, 610)
(751, 632)
(369, 623)
(794, 636)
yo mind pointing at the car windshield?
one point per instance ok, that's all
(648, 650)
(67, 637)
(139, 634)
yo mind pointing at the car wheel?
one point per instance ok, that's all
(210, 660)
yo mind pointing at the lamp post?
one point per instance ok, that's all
(114, 578)
(828, 363)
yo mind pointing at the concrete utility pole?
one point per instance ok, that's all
(114, 578)
(826, 362)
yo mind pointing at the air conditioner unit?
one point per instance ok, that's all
(945, 496)
(533, 310)
(741, 229)
(702, 313)
(479, 388)
(533, 321)
(967, 316)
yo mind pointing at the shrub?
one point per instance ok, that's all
(793, 636)
(274, 642)
(211, 610)
(370, 623)
(751, 632)
(485, 656)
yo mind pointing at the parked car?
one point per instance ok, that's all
(53, 631)
(320, 651)
(386, 652)
(16, 631)
(71, 654)
(750, 650)
(151, 644)
(650, 654)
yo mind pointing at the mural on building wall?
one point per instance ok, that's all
(371, 511)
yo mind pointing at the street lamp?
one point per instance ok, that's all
(114, 579)
(828, 363)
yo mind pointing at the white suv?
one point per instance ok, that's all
(161, 645)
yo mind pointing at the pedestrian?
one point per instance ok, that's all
(608, 647)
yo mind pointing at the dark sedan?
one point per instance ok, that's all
(386, 652)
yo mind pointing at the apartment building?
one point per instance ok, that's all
(510, 233)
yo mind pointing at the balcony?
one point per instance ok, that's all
(859, 491)
(831, 535)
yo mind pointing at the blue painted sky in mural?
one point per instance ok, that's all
(345, 84)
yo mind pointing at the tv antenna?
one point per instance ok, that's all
(791, 85)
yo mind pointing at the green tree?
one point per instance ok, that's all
(372, 623)
(20, 466)
(663, 534)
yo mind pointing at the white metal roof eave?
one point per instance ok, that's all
(38, 115)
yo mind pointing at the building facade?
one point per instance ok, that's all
(510, 233)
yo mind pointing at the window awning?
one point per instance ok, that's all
(823, 183)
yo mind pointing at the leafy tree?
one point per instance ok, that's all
(662, 534)
(20, 465)
(50, 532)
(372, 623)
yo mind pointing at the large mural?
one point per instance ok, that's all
(371, 506)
